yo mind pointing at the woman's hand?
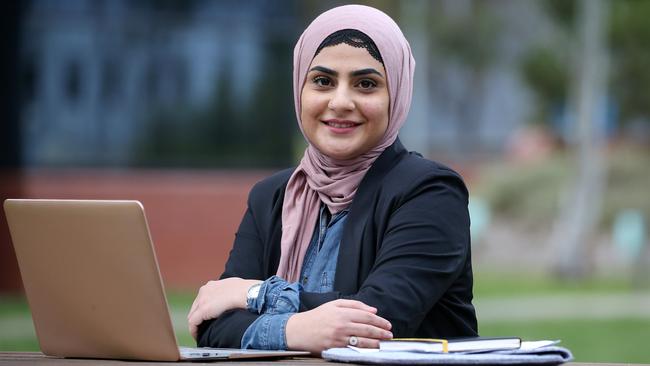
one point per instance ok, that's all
(215, 298)
(333, 323)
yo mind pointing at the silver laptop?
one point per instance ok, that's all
(93, 285)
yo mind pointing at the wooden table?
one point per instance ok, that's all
(37, 358)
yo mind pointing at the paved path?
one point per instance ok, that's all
(549, 307)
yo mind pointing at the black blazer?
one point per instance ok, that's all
(405, 250)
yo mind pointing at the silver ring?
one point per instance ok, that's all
(353, 341)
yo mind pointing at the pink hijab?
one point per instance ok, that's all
(319, 177)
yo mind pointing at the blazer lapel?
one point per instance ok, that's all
(273, 252)
(348, 271)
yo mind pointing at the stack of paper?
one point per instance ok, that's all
(471, 344)
(477, 351)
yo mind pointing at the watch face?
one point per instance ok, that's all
(254, 291)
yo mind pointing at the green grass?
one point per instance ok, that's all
(19, 345)
(597, 340)
(491, 285)
(184, 338)
(13, 305)
(181, 300)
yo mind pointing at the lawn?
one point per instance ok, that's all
(619, 339)
(595, 340)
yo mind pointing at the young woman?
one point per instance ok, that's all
(363, 241)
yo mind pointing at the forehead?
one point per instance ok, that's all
(346, 57)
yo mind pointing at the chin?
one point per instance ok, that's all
(334, 153)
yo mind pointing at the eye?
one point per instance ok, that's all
(366, 84)
(322, 81)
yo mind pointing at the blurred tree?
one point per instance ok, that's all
(562, 11)
(546, 74)
(546, 67)
(226, 132)
(272, 115)
(630, 45)
(466, 35)
(580, 212)
(560, 73)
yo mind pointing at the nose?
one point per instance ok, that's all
(341, 100)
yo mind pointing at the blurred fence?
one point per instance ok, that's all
(192, 215)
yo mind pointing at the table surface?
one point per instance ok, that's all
(37, 358)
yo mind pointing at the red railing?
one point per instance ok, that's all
(193, 215)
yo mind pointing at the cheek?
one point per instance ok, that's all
(377, 112)
(312, 105)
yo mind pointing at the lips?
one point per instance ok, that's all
(341, 124)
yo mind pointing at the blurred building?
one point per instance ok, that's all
(94, 70)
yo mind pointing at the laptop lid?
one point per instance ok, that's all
(91, 279)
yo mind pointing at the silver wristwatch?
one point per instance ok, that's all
(252, 293)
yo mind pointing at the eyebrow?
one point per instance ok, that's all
(324, 70)
(366, 72)
(353, 73)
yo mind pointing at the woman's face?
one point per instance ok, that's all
(344, 102)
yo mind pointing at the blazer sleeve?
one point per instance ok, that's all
(422, 248)
(245, 261)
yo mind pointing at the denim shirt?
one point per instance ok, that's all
(279, 299)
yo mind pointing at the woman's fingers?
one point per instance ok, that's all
(375, 320)
(197, 300)
(193, 329)
(364, 342)
(367, 327)
(211, 301)
(369, 331)
(194, 314)
(356, 316)
(363, 313)
(354, 304)
(216, 297)
(193, 321)
(190, 318)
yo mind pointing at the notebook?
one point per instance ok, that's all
(467, 344)
(93, 285)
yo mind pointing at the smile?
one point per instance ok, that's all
(335, 123)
